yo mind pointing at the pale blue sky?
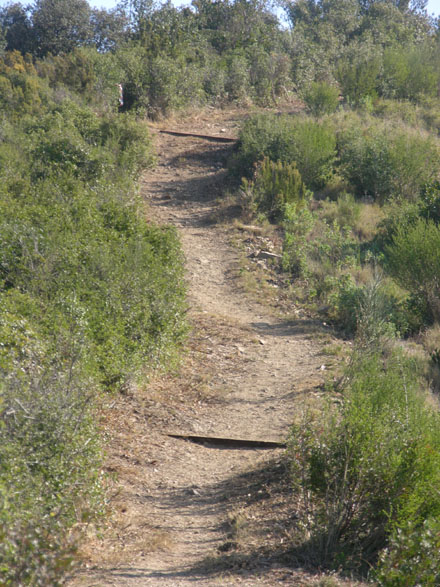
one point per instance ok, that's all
(433, 5)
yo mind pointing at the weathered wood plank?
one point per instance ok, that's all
(221, 442)
(199, 136)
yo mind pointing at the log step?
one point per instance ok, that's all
(230, 443)
(198, 136)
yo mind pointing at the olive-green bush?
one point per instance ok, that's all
(413, 259)
(275, 186)
(289, 139)
(321, 98)
(91, 296)
(381, 160)
(368, 467)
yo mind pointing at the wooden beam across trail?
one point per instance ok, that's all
(199, 136)
(231, 443)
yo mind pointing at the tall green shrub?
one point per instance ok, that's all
(321, 98)
(274, 185)
(307, 142)
(369, 466)
(413, 259)
(381, 161)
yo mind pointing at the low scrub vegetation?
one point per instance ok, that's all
(275, 188)
(366, 472)
(309, 143)
(91, 296)
(375, 203)
(362, 250)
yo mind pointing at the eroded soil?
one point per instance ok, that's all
(186, 513)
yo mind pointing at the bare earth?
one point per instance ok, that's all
(186, 513)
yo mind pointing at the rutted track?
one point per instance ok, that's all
(259, 365)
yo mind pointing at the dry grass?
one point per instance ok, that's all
(369, 217)
(431, 339)
(431, 344)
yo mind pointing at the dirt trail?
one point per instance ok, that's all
(172, 497)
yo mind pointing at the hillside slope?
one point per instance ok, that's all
(177, 504)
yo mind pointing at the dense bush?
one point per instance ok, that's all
(430, 201)
(90, 296)
(410, 74)
(413, 259)
(49, 450)
(275, 186)
(369, 467)
(321, 98)
(308, 143)
(381, 161)
(357, 77)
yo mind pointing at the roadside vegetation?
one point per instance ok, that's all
(354, 188)
(91, 294)
(91, 297)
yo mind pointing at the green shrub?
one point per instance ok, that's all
(320, 254)
(274, 185)
(412, 556)
(237, 83)
(413, 259)
(430, 201)
(409, 74)
(345, 211)
(369, 466)
(321, 98)
(22, 91)
(49, 448)
(297, 226)
(357, 77)
(308, 143)
(371, 310)
(90, 296)
(49, 474)
(381, 161)
(332, 251)
(172, 84)
(74, 70)
(345, 304)
(398, 214)
(268, 75)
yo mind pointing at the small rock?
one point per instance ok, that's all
(262, 341)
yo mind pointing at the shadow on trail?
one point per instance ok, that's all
(203, 154)
(289, 328)
(202, 188)
(269, 483)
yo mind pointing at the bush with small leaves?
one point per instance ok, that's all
(91, 295)
(369, 466)
(413, 259)
(307, 142)
(321, 98)
(381, 161)
(276, 185)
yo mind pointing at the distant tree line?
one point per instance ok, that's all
(237, 50)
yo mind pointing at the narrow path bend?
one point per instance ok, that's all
(261, 364)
